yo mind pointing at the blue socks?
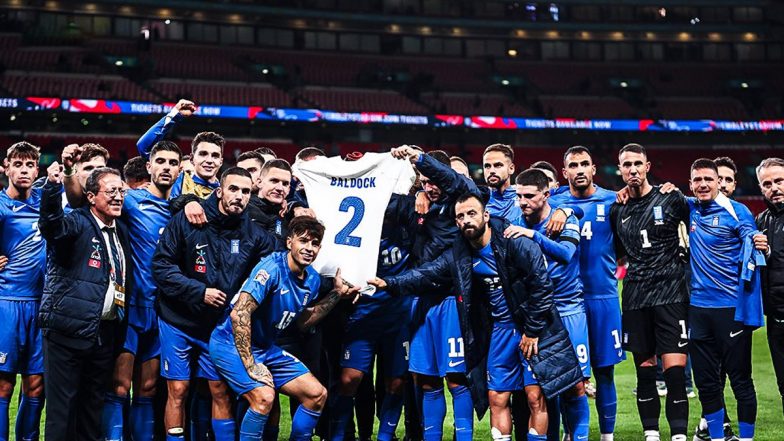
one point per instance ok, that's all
(715, 424)
(224, 429)
(606, 398)
(200, 416)
(303, 423)
(537, 437)
(252, 426)
(28, 418)
(113, 417)
(3, 418)
(745, 430)
(342, 412)
(433, 413)
(390, 415)
(577, 416)
(463, 407)
(142, 419)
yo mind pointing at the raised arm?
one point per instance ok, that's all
(158, 131)
(52, 222)
(452, 183)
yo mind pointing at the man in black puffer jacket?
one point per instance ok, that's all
(524, 298)
(196, 271)
(82, 314)
(770, 174)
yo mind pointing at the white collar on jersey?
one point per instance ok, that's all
(725, 203)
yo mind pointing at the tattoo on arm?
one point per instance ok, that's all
(240, 323)
(314, 314)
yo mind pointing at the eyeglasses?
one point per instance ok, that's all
(114, 192)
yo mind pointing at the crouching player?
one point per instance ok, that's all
(242, 347)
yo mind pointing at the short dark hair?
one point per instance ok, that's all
(275, 163)
(576, 149)
(136, 169)
(166, 146)
(726, 161)
(23, 150)
(466, 196)
(440, 156)
(458, 159)
(267, 151)
(186, 157)
(533, 176)
(544, 165)
(306, 226)
(634, 148)
(503, 148)
(93, 181)
(704, 163)
(253, 154)
(309, 152)
(238, 171)
(93, 150)
(208, 137)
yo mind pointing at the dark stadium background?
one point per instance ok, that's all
(639, 59)
(670, 65)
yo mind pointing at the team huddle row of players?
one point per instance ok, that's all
(505, 292)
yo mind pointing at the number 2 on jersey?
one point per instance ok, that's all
(344, 236)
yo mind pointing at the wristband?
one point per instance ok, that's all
(68, 172)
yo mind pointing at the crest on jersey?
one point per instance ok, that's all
(95, 256)
(3, 357)
(200, 265)
(658, 215)
(262, 276)
(715, 221)
(235, 246)
(600, 213)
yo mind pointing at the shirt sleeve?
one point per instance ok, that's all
(264, 279)
(562, 249)
(156, 133)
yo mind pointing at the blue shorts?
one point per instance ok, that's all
(577, 327)
(386, 334)
(21, 350)
(507, 368)
(142, 338)
(180, 351)
(437, 345)
(283, 366)
(604, 331)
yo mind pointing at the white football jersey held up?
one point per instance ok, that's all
(350, 198)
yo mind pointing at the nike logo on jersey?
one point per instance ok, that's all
(200, 246)
(16, 208)
(284, 291)
(679, 401)
(735, 334)
(682, 344)
(453, 363)
(143, 207)
(96, 240)
(643, 400)
(623, 221)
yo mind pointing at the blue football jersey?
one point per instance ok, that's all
(393, 258)
(597, 248)
(146, 216)
(21, 242)
(716, 234)
(504, 204)
(486, 275)
(281, 296)
(567, 285)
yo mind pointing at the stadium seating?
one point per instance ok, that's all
(241, 94)
(74, 86)
(357, 100)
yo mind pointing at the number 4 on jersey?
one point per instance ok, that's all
(586, 231)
